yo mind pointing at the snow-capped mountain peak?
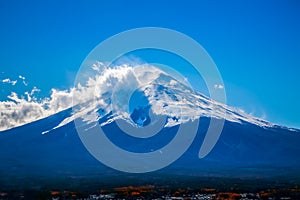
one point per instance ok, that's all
(136, 93)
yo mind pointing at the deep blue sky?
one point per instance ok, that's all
(255, 44)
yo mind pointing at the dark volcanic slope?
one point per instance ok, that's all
(243, 150)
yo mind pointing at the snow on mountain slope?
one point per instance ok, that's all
(109, 91)
(163, 95)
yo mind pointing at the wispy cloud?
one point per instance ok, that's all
(218, 86)
(7, 80)
(23, 80)
(14, 82)
(30, 95)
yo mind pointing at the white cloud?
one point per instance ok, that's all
(30, 95)
(218, 86)
(98, 66)
(18, 111)
(95, 94)
(14, 82)
(21, 77)
(23, 80)
(173, 82)
(7, 80)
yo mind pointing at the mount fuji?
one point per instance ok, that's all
(49, 149)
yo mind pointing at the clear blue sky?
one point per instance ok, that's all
(255, 44)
